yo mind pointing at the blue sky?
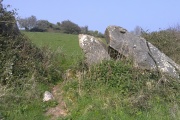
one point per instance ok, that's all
(98, 14)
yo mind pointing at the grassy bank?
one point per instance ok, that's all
(26, 72)
(115, 90)
(111, 90)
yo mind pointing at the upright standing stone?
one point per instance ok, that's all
(94, 49)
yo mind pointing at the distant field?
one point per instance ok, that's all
(67, 43)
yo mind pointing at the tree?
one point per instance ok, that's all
(84, 30)
(69, 27)
(95, 33)
(8, 24)
(27, 23)
(1, 6)
(58, 24)
(43, 24)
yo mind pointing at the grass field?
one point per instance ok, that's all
(66, 44)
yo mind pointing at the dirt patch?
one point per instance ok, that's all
(60, 110)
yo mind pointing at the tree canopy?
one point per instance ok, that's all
(69, 27)
(27, 23)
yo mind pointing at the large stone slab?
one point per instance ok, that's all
(143, 53)
(94, 49)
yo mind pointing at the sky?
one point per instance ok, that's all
(151, 15)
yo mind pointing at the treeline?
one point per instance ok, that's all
(33, 25)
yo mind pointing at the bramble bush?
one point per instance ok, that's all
(25, 69)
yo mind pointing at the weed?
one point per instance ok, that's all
(116, 90)
(26, 71)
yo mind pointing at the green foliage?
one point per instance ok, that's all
(27, 23)
(42, 25)
(69, 27)
(115, 90)
(45, 26)
(20, 59)
(7, 22)
(112, 74)
(25, 110)
(37, 29)
(66, 46)
(119, 75)
(25, 69)
(84, 30)
(95, 33)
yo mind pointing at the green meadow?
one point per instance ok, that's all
(66, 44)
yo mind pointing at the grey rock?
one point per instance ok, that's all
(143, 53)
(94, 49)
(47, 96)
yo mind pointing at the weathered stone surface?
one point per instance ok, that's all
(95, 50)
(143, 53)
(47, 96)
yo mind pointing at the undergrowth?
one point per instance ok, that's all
(25, 72)
(116, 90)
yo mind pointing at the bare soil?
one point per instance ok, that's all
(60, 110)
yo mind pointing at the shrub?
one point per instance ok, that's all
(37, 29)
(69, 27)
(119, 75)
(95, 33)
(27, 23)
(24, 68)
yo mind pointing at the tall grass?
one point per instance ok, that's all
(26, 72)
(115, 90)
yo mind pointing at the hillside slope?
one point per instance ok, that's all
(115, 90)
